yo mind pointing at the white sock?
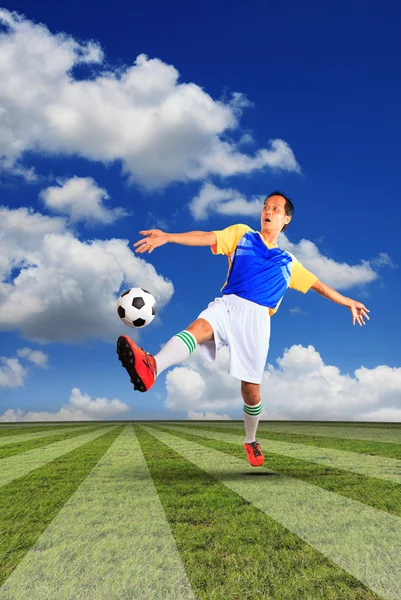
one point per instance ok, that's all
(251, 420)
(177, 349)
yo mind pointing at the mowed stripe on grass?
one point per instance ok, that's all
(230, 548)
(390, 435)
(383, 495)
(388, 469)
(110, 540)
(364, 541)
(21, 428)
(19, 465)
(7, 427)
(29, 504)
(13, 439)
(8, 450)
(374, 448)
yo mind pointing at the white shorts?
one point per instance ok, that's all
(244, 327)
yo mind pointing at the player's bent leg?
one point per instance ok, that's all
(252, 409)
(143, 368)
(202, 330)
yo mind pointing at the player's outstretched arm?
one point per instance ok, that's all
(155, 238)
(358, 310)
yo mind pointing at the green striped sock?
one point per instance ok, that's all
(188, 339)
(177, 349)
(251, 421)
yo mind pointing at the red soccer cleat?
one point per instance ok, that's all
(254, 454)
(140, 365)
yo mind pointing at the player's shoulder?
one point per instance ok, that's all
(242, 227)
(236, 226)
(236, 230)
(228, 239)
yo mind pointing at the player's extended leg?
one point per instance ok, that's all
(143, 368)
(252, 409)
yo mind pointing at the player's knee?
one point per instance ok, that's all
(202, 330)
(250, 392)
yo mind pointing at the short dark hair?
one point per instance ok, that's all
(288, 207)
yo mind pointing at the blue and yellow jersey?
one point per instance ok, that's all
(259, 271)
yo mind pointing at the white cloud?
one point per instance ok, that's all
(21, 233)
(53, 287)
(79, 408)
(161, 130)
(12, 373)
(95, 409)
(383, 415)
(298, 311)
(223, 201)
(10, 167)
(82, 200)
(246, 138)
(206, 416)
(336, 274)
(383, 259)
(203, 386)
(156, 222)
(225, 160)
(301, 387)
(37, 357)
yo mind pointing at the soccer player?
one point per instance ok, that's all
(259, 273)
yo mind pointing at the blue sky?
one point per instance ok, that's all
(123, 118)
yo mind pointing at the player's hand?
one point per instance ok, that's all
(359, 312)
(154, 238)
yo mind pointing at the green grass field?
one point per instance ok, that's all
(172, 510)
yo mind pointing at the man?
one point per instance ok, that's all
(259, 274)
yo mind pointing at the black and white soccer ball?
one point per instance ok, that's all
(136, 307)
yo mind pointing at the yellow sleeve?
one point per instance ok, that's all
(228, 238)
(301, 279)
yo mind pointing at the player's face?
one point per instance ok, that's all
(273, 216)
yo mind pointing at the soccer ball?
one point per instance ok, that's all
(136, 307)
